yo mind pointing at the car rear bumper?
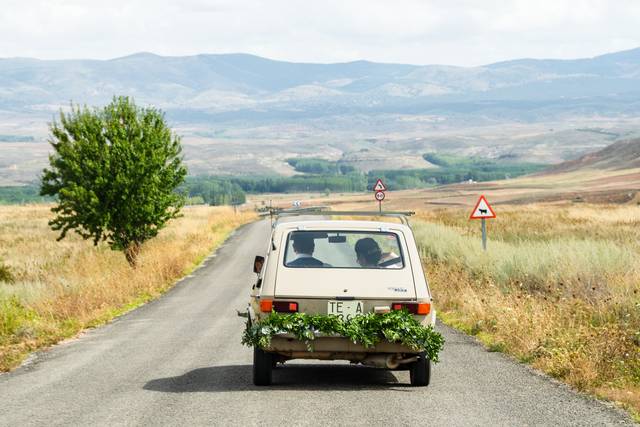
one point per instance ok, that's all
(288, 345)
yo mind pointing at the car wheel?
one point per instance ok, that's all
(262, 366)
(420, 371)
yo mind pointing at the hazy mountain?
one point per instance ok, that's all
(242, 114)
(246, 86)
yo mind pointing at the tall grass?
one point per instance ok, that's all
(569, 266)
(558, 288)
(58, 288)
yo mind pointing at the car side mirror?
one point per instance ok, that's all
(257, 264)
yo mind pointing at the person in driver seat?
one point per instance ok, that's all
(303, 246)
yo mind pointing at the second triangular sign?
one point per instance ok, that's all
(379, 186)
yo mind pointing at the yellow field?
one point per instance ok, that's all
(559, 288)
(55, 289)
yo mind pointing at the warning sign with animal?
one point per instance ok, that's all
(483, 211)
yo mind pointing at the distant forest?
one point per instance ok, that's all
(321, 175)
(16, 138)
(21, 195)
(321, 166)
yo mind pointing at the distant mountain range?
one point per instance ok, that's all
(240, 86)
(242, 114)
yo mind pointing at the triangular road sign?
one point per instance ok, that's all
(379, 186)
(482, 210)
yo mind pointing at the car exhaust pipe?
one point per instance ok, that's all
(379, 361)
(389, 361)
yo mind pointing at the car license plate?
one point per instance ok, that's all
(346, 310)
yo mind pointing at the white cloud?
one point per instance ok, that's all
(459, 32)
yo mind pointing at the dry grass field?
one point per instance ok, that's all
(51, 290)
(559, 288)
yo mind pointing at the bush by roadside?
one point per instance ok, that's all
(5, 273)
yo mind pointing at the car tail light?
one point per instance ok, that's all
(397, 306)
(266, 306)
(285, 306)
(422, 308)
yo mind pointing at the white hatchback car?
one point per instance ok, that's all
(342, 268)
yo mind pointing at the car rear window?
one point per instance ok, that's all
(343, 249)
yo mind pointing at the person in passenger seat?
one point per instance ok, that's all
(304, 246)
(368, 253)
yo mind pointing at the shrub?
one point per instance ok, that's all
(5, 274)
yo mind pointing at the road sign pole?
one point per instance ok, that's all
(379, 195)
(484, 234)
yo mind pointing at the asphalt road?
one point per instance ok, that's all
(179, 361)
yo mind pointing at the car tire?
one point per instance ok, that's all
(262, 366)
(420, 371)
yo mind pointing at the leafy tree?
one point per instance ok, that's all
(114, 171)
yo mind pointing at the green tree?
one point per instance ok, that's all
(114, 171)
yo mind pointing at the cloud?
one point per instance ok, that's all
(458, 32)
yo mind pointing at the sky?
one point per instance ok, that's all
(453, 32)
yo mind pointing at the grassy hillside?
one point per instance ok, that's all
(51, 290)
(559, 288)
(620, 155)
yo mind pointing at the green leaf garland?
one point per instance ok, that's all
(368, 330)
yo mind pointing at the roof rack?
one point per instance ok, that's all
(325, 211)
